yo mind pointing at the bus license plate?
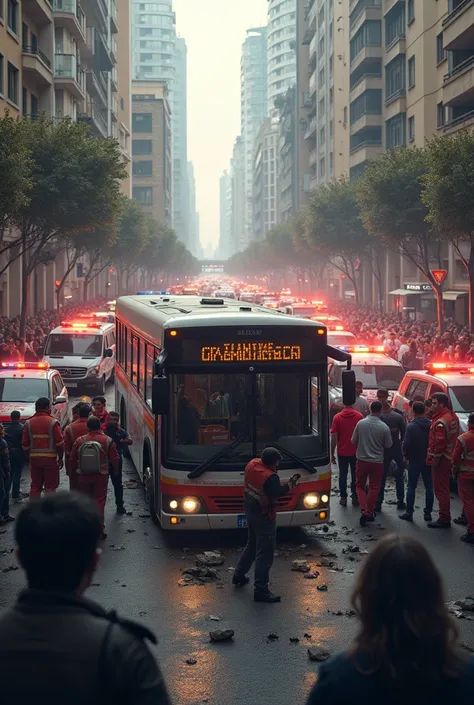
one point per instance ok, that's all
(242, 521)
(71, 384)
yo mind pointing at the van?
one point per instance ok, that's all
(83, 352)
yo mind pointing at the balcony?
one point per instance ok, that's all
(313, 83)
(368, 81)
(389, 5)
(114, 109)
(313, 47)
(39, 11)
(312, 128)
(313, 157)
(306, 101)
(69, 76)
(69, 14)
(96, 86)
(389, 99)
(458, 26)
(113, 17)
(114, 80)
(96, 119)
(367, 53)
(366, 10)
(458, 85)
(365, 121)
(394, 48)
(464, 120)
(37, 66)
(365, 152)
(113, 49)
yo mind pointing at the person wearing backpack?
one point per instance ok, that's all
(72, 432)
(92, 455)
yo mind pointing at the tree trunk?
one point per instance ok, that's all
(471, 293)
(58, 299)
(86, 286)
(439, 308)
(25, 300)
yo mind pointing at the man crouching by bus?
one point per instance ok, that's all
(261, 490)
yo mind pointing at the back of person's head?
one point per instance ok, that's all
(93, 423)
(42, 404)
(471, 420)
(57, 539)
(84, 411)
(428, 403)
(270, 456)
(386, 406)
(405, 628)
(376, 407)
(15, 415)
(419, 408)
(114, 415)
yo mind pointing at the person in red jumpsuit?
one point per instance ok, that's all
(463, 466)
(444, 432)
(43, 444)
(75, 430)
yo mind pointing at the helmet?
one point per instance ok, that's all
(270, 456)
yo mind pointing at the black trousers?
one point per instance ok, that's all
(118, 484)
(260, 546)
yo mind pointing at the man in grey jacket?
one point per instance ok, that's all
(371, 436)
(57, 647)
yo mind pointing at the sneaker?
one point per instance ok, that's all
(467, 538)
(401, 505)
(408, 516)
(363, 519)
(240, 580)
(427, 516)
(438, 524)
(7, 519)
(355, 501)
(121, 509)
(343, 501)
(461, 520)
(371, 517)
(265, 596)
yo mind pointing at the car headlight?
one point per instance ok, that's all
(93, 371)
(190, 505)
(324, 498)
(311, 500)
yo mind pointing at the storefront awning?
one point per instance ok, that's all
(402, 292)
(453, 295)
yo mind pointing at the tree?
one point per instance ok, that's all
(16, 162)
(132, 238)
(75, 187)
(448, 188)
(334, 227)
(389, 197)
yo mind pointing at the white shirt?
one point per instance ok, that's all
(402, 350)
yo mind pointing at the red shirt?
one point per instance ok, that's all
(103, 417)
(343, 425)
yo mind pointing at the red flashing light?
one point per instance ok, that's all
(364, 348)
(81, 325)
(450, 366)
(14, 365)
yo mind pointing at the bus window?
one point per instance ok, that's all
(141, 367)
(149, 371)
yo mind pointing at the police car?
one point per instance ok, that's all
(83, 352)
(338, 337)
(371, 366)
(456, 379)
(22, 383)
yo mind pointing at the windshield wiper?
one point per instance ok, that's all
(197, 472)
(295, 457)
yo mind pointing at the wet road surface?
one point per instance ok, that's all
(141, 576)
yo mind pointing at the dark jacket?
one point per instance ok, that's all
(415, 444)
(341, 683)
(57, 649)
(4, 458)
(396, 424)
(13, 435)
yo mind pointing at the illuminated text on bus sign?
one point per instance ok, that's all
(250, 352)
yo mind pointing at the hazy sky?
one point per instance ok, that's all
(214, 31)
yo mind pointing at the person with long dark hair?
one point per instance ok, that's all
(407, 649)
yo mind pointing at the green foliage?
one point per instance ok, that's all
(15, 169)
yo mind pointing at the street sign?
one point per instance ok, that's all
(439, 275)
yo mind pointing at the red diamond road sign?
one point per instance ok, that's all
(439, 275)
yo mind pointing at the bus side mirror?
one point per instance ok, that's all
(349, 394)
(160, 395)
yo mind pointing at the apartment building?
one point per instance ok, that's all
(238, 231)
(121, 79)
(151, 149)
(281, 49)
(225, 213)
(265, 179)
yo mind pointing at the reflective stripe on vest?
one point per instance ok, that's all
(50, 451)
(451, 437)
(467, 464)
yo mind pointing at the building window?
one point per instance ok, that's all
(34, 107)
(395, 77)
(1, 10)
(411, 72)
(143, 194)
(410, 11)
(370, 34)
(1, 72)
(12, 16)
(395, 24)
(411, 128)
(13, 75)
(322, 167)
(440, 115)
(142, 147)
(395, 131)
(24, 102)
(142, 122)
(143, 168)
(440, 51)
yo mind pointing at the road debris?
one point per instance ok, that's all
(312, 576)
(117, 548)
(273, 637)
(210, 558)
(340, 613)
(322, 588)
(353, 548)
(214, 618)
(307, 636)
(462, 609)
(191, 661)
(144, 516)
(318, 654)
(222, 635)
(301, 566)
(294, 640)
(328, 554)
(326, 564)
(10, 568)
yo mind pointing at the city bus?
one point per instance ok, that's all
(203, 385)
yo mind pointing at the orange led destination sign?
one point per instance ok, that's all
(251, 352)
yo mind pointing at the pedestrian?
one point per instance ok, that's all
(5, 479)
(13, 436)
(383, 396)
(342, 429)
(415, 450)
(410, 360)
(98, 409)
(371, 436)
(407, 647)
(43, 444)
(397, 426)
(72, 432)
(75, 652)
(94, 455)
(361, 404)
(121, 439)
(444, 432)
(403, 346)
(262, 488)
(463, 466)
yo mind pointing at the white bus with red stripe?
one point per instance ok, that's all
(202, 386)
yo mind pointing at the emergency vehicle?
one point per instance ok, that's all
(339, 337)
(83, 351)
(372, 367)
(456, 379)
(22, 383)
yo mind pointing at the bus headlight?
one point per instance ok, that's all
(174, 504)
(190, 505)
(311, 500)
(324, 498)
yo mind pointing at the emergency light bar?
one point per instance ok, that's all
(361, 348)
(153, 293)
(25, 365)
(450, 366)
(81, 325)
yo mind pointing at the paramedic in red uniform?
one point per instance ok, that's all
(43, 444)
(444, 432)
(93, 480)
(463, 466)
(261, 490)
(72, 432)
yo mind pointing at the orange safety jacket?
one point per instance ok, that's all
(256, 474)
(72, 432)
(444, 432)
(109, 452)
(463, 458)
(42, 439)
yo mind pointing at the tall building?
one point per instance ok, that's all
(265, 186)
(253, 107)
(225, 230)
(121, 78)
(192, 218)
(238, 231)
(151, 149)
(281, 49)
(179, 134)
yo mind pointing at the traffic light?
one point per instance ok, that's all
(57, 283)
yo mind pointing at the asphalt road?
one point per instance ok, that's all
(140, 576)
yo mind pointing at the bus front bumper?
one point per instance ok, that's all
(218, 522)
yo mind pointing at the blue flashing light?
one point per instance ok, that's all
(148, 293)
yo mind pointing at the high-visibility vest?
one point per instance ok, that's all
(467, 442)
(256, 474)
(450, 422)
(42, 443)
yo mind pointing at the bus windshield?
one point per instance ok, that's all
(209, 411)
